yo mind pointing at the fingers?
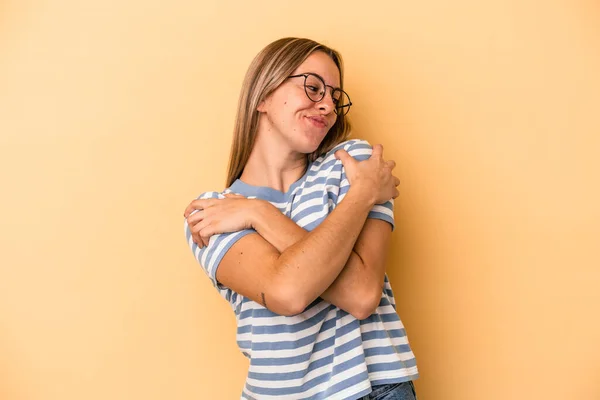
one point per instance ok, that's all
(200, 204)
(344, 157)
(195, 205)
(203, 225)
(196, 222)
(391, 164)
(202, 231)
(396, 181)
(204, 241)
(193, 220)
(195, 217)
(201, 234)
(199, 215)
(377, 151)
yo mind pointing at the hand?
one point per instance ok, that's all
(207, 217)
(373, 175)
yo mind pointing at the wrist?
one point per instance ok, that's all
(258, 210)
(362, 194)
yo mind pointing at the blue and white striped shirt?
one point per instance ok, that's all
(324, 352)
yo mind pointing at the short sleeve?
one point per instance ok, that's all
(210, 256)
(361, 150)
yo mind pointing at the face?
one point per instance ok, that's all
(292, 117)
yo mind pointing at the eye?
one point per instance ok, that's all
(313, 89)
(335, 97)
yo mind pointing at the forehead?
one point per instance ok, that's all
(321, 64)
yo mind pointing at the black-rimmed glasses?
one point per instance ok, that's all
(314, 87)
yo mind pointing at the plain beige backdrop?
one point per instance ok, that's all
(115, 114)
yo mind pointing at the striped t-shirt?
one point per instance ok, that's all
(324, 352)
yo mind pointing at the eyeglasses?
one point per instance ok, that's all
(314, 87)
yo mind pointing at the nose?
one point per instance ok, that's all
(326, 103)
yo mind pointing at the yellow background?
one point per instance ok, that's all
(114, 115)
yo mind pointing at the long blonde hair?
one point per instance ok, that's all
(269, 69)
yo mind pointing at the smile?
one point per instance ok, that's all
(318, 122)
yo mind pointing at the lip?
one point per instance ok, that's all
(317, 121)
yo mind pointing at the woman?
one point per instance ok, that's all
(297, 241)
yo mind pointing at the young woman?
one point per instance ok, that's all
(297, 241)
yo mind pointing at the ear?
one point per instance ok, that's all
(262, 106)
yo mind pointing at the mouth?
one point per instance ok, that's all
(317, 121)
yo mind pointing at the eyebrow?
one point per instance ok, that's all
(323, 79)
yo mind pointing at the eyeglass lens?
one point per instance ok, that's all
(315, 89)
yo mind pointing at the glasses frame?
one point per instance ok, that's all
(339, 110)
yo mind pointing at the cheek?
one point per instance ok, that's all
(288, 109)
(297, 101)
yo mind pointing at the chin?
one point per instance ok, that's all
(307, 147)
(312, 142)
(306, 142)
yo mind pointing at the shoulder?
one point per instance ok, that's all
(213, 195)
(210, 195)
(351, 144)
(357, 148)
(326, 163)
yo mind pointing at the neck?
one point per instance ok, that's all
(273, 164)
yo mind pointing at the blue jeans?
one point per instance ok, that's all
(393, 391)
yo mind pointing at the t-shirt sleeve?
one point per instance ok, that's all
(361, 150)
(210, 256)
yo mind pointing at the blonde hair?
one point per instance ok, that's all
(269, 69)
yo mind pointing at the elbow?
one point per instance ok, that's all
(367, 304)
(289, 301)
(291, 310)
(362, 312)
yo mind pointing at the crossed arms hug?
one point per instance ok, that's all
(342, 260)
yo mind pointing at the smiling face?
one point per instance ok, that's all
(291, 117)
